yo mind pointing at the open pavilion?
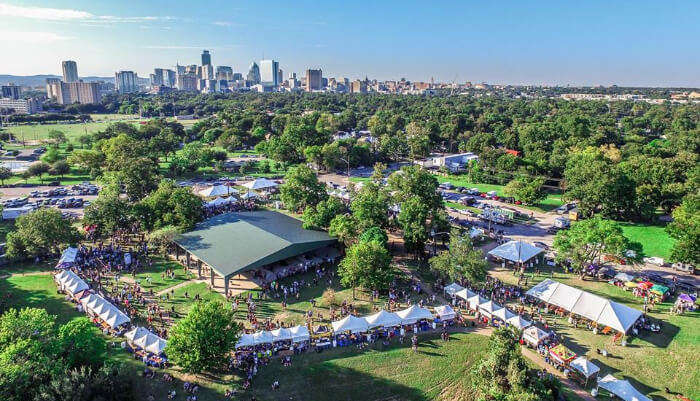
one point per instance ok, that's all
(230, 244)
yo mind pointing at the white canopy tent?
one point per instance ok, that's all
(350, 323)
(246, 340)
(281, 334)
(585, 367)
(263, 337)
(260, 183)
(518, 322)
(105, 310)
(114, 317)
(622, 389)
(70, 282)
(465, 294)
(217, 190)
(383, 319)
(146, 340)
(533, 335)
(452, 289)
(68, 257)
(598, 309)
(504, 314)
(476, 300)
(300, 334)
(249, 195)
(516, 251)
(445, 312)
(413, 314)
(489, 307)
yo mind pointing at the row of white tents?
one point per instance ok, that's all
(296, 334)
(70, 282)
(96, 305)
(592, 307)
(144, 339)
(487, 307)
(225, 190)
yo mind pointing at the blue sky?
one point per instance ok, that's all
(589, 42)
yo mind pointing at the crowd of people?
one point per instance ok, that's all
(236, 206)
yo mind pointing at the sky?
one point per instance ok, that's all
(558, 42)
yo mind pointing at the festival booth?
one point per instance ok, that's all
(142, 339)
(622, 278)
(621, 388)
(534, 336)
(300, 334)
(452, 289)
(217, 190)
(261, 184)
(72, 284)
(68, 258)
(347, 329)
(474, 302)
(488, 308)
(685, 302)
(383, 319)
(464, 294)
(561, 355)
(445, 313)
(583, 370)
(517, 252)
(263, 337)
(245, 341)
(659, 291)
(110, 318)
(415, 315)
(518, 322)
(503, 314)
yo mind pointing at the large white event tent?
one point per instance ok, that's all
(260, 183)
(70, 282)
(621, 388)
(221, 201)
(587, 368)
(383, 319)
(592, 307)
(413, 314)
(350, 323)
(281, 334)
(263, 337)
(146, 340)
(105, 310)
(452, 289)
(217, 190)
(300, 334)
(518, 322)
(516, 251)
(465, 294)
(246, 340)
(67, 258)
(445, 312)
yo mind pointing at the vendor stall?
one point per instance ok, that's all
(263, 337)
(534, 336)
(350, 323)
(476, 300)
(561, 355)
(383, 319)
(621, 388)
(584, 369)
(518, 322)
(68, 258)
(281, 334)
(659, 291)
(245, 341)
(413, 314)
(70, 282)
(445, 312)
(300, 334)
(452, 289)
(503, 314)
(464, 294)
(143, 339)
(488, 308)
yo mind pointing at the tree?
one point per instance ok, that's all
(170, 205)
(375, 234)
(109, 212)
(301, 188)
(415, 181)
(108, 383)
(527, 190)
(5, 174)
(461, 260)
(344, 227)
(587, 240)
(81, 344)
(38, 169)
(56, 137)
(162, 238)
(60, 168)
(685, 229)
(504, 374)
(204, 339)
(40, 233)
(370, 206)
(367, 265)
(322, 215)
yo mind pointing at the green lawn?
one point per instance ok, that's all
(651, 361)
(37, 291)
(155, 272)
(40, 131)
(654, 239)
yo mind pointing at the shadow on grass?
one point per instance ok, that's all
(37, 291)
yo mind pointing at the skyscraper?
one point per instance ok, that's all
(314, 79)
(126, 82)
(157, 78)
(269, 73)
(206, 57)
(169, 78)
(11, 91)
(224, 72)
(253, 76)
(70, 71)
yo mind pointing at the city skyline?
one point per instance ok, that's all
(627, 43)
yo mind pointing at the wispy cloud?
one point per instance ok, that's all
(222, 23)
(63, 14)
(32, 37)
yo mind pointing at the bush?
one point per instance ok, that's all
(329, 297)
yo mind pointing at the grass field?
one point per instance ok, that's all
(651, 361)
(654, 239)
(40, 131)
(37, 291)
(158, 282)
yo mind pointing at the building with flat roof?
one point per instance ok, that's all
(11, 91)
(126, 82)
(73, 92)
(70, 71)
(235, 243)
(314, 80)
(20, 106)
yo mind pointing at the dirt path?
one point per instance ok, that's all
(533, 356)
(178, 285)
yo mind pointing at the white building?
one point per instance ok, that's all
(454, 162)
(126, 82)
(269, 73)
(20, 106)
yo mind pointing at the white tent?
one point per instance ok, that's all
(488, 308)
(413, 314)
(68, 257)
(598, 309)
(586, 367)
(105, 310)
(281, 334)
(260, 183)
(465, 294)
(263, 337)
(350, 323)
(136, 332)
(624, 277)
(621, 388)
(504, 314)
(476, 300)
(476, 232)
(445, 312)
(516, 251)
(246, 340)
(70, 282)
(300, 333)
(518, 322)
(146, 340)
(249, 195)
(453, 288)
(383, 319)
(534, 336)
(217, 190)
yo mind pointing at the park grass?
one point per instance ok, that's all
(650, 361)
(654, 239)
(158, 282)
(36, 291)
(113, 117)
(40, 132)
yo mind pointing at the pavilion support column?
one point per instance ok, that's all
(226, 287)
(187, 260)
(199, 269)
(212, 277)
(177, 252)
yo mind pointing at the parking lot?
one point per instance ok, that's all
(70, 199)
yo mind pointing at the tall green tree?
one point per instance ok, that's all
(527, 190)
(40, 233)
(685, 229)
(461, 260)
(366, 265)
(301, 188)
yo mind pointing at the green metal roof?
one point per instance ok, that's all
(232, 243)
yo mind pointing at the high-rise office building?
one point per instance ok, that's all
(224, 72)
(70, 71)
(206, 57)
(180, 69)
(157, 76)
(253, 76)
(73, 92)
(126, 82)
(269, 73)
(169, 78)
(51, 84)
(11, 91)
(314, 80)
(187, 82)
(207, 71)
(358, 86)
